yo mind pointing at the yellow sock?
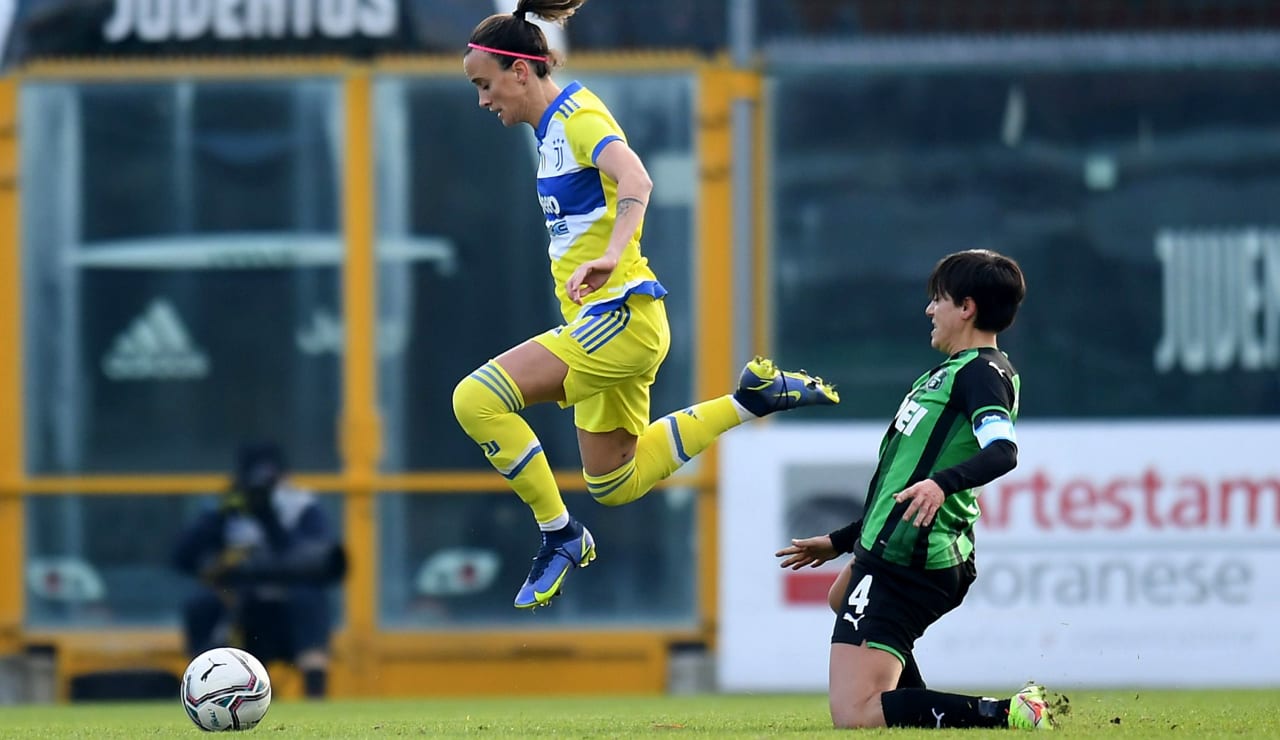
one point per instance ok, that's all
(485, 403)
(665, 445)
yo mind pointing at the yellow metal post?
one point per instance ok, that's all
(11, 457)
(715, 305)
(361, 426)
(761, 248)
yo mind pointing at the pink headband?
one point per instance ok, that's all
(515, 54)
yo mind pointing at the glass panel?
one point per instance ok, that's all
(464, 269)
(458, 560)
(181, 243)
(1135, 216)
(80, 571)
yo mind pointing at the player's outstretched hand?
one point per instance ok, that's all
(810, 551)
(589, 277)
(926, 498)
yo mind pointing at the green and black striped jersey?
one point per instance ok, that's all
(951, 413)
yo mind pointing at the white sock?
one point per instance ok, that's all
(559, 522)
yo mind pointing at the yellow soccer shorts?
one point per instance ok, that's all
(613, 358)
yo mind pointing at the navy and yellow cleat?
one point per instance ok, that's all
(557, 556)
(764, 389)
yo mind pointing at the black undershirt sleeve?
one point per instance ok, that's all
(845, 538)
(984, 386)
(990, 463)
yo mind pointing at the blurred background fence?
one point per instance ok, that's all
(288, 220)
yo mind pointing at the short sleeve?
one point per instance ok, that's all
(588, 132)
(985, 393)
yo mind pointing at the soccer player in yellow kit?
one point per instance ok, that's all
(593, 189)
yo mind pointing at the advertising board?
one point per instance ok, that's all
(1116, 554)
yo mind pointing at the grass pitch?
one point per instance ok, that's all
(1118, 715)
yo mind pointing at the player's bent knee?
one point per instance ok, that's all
(617, 498)
(461, 396)
(848, 721)
(622, 486)
(855, 717)
(474, 402)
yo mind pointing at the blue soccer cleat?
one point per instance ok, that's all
(764, 389)
(557, 556)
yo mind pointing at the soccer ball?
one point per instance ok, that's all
(226, 689)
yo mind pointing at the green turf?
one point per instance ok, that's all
(1112, 714)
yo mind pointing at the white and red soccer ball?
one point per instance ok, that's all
(226, 689)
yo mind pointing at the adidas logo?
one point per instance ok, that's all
(155, 347)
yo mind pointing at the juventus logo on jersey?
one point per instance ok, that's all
(553, 153)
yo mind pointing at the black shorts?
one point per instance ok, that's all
(889, 606)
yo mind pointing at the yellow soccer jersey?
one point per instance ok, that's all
(580, 203)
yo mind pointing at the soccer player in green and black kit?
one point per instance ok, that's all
(913, 549)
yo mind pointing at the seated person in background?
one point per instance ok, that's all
(266, 557)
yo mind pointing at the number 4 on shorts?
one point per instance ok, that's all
(859, 598)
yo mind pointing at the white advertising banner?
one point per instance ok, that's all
(1116, 554)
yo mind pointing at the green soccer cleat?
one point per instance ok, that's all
(764, 389)
(1029, 709)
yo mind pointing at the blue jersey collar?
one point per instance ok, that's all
(568, 91)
